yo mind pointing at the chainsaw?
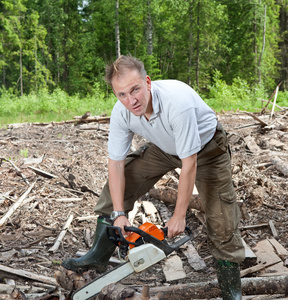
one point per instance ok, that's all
(143, 247)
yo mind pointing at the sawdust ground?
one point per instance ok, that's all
(78, 157)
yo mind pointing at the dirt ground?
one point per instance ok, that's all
(76, 154)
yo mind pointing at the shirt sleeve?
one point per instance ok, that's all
(120, 136)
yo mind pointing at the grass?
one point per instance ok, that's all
(59, 106)
(56, 106)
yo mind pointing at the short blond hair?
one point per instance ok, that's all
(121, 65)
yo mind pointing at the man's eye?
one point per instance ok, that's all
(135, 90)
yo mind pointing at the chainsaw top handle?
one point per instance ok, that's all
(115, 235)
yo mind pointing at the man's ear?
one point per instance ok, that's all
(148, 82)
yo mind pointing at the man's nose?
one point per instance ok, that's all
(131, 99)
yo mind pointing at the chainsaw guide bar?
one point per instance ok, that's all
(141, 249)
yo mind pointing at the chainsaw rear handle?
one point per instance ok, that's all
(187, 229)
(115, 235)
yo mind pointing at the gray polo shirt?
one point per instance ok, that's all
(181, 123)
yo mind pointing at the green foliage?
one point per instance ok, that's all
(282, 99)
(57, 105)
(238, 95)
(64, 46)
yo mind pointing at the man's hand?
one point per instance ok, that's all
(175, 226)
(121, 222)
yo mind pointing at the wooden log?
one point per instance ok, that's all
(16, 205)
(210, 289)
(169, 195)
(7, 289)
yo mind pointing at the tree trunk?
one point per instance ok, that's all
(263, 46)
(191, 50)
(117, 30)
(21, 72)
(283, 43)
(149, 29)
(198, 43)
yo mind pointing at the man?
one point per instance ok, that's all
(183, 133)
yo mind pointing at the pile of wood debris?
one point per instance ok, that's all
(52, 174)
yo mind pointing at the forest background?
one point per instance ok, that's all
(53, 53)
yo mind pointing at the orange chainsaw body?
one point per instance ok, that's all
(149, 228)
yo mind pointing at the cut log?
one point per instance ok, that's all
(209, 290)
(169, 195)
(7, 289)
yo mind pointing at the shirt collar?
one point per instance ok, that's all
(155, 100)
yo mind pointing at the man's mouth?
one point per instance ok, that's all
(137, 107)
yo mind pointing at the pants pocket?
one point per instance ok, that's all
(230, 211)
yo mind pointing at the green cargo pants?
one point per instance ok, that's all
(145, 166)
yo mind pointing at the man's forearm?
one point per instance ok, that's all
(185, 186)
(117, 183)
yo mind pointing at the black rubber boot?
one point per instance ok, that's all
(229, 280)
(99, 254)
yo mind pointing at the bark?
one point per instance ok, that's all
(21, 73)
(208, 290)
(169, 195)
(191, 50)
(198, 43)
(149, 29)
(117, 30)
(263, 46)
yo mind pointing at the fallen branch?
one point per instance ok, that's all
(274, 103)
(263, 110)
(262, 123)
(17, 204)
(13, 273)
(18, 171)
(61, 235)
(77, 120)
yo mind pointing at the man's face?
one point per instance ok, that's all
(133, 92)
